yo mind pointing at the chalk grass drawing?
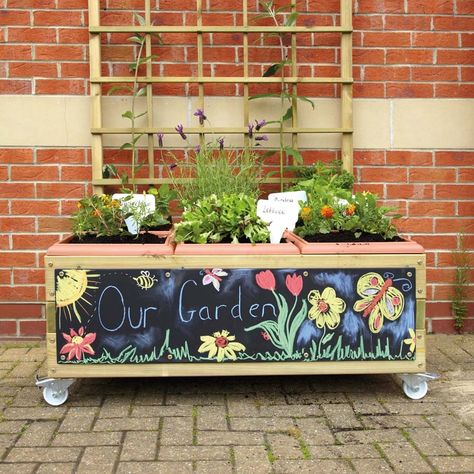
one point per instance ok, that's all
(379, 300)
(71, 291)
(145, 281)
(222, 345)
(77, 344)
(214, 276)
(282, 332)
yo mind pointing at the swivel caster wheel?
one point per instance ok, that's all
(415, 392)
(55, 391)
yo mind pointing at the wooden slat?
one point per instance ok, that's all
(245, 81)
(216, 130)
(149, 95)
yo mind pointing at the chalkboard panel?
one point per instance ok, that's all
(223, 315)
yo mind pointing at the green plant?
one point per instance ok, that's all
(282, 16)
(460, 284)
(229, 217)
(98, 215)
(321, 174)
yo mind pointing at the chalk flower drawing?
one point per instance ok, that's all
(411, 340)
(380, 300)
(221, 344)
(78, 343)
(266, 280)
(294, 283)
(327, 308)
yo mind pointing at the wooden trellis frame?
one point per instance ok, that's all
(97, 80)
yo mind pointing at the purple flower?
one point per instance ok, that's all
(200, 114)
(172, 166)
(250, 130)
(261, 138)
(197, 149)
(179, 129)
(160, 140)
(221, 143)
(260, 124)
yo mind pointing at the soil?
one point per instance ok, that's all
(144, 238)
(346, 236)
(241, 241)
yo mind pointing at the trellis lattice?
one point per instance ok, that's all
(291, 128)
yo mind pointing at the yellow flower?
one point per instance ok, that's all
(306, 213)
(327, 308)
(411, 340)
(220, 344)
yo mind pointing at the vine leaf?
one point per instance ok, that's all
(272, 70)
(288, 114)
(298, 158)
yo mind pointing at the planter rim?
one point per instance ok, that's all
(306, 248)
(64, 248)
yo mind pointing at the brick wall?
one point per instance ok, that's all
(402, 49)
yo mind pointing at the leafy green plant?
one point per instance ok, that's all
(322, 174)
(229, 217)
(98, 215)
(460, 284)
(282, 16)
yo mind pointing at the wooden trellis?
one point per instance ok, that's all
(97, 80)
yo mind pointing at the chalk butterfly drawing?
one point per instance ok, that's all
(379, 300)
(145, 281)
(214, 276)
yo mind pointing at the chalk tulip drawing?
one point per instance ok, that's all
(216, 315)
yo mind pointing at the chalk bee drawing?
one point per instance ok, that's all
(145, 281)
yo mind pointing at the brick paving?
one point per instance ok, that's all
(353, 423)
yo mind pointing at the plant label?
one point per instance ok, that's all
(290, 196)
(279, 215)
(139, 206)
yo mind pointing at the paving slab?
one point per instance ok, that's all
(351, 423)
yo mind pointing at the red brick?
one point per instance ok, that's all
(54, 224)
(454, 158)
(3, 173)
(386, 73)
(33, 328)
(377, 189)
(407, 22)
(455, 90)
(14, 17)
(455, 56)
(436, 40)
(403, 89)
(12, 190)
(74, 70)
(464, 7)
(31, 35)
(28, 276)
(5, 277)
(467, 40)
(4, 242)
(35, 173)
(381, 174)
(18, 293)
(35, 207)
(434, 74)
(33, 241)
(430, 6)
(362, 158)
(409, 158)
(409, 56)
(467, 74)
(60, 156)
(410, 191)
(431, 208)
(455, 224)
(18, 259)
(10, 52)
(29, 4)
(414, 225)
(59, 190)
(369, 89)
(368, 56)
(455, 191)
(82, 4)
(76, 173)
(381, 6)
(73, 35)
(453, 23)
(32, 69)
(60, 86)
(466, 209)
(447, 242)
(443, 326)
(8, 328)
(16, 155)
(22, 311)
(57, 18)
(386, 39)
(431, 175)
(15, 87)
(466, 175)
(61, 52)
(367, 22)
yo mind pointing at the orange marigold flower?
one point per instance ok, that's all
(79, 205)
(350, 209)
(306, 213)
(327, 212)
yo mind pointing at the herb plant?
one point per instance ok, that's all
(229, 217)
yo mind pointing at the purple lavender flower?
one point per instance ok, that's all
(221, 143)
(260, 124)
(172, 166)
(261, 138)
(250, 130)
(160, 140)
(197, 149)
(179, 129)
(200, 114)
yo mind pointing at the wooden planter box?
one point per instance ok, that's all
(149, 314)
